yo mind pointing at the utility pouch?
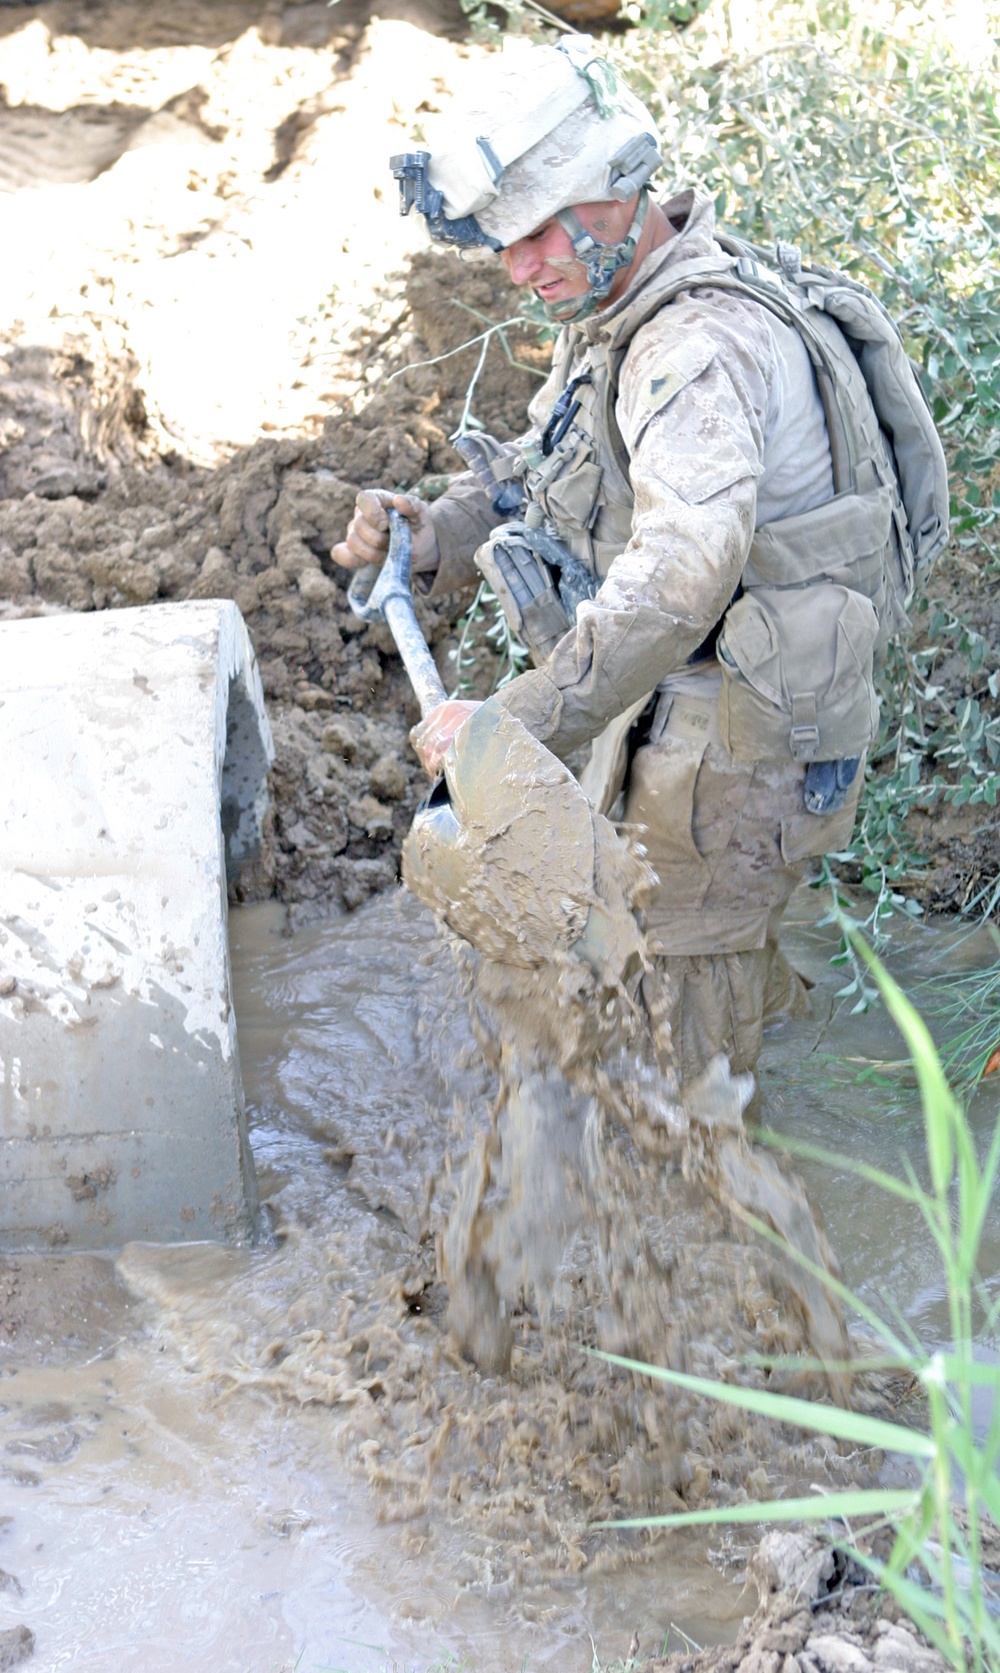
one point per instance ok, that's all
(539, 584)
(850, 540)
(797, 674)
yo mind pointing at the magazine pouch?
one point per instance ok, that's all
(797, 679)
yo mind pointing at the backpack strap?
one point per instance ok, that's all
(685, 275)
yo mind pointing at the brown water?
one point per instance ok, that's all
(810, 1082)
(219, 1460)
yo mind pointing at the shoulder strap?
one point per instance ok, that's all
(872, 398)
(890, 384)
(613, 346)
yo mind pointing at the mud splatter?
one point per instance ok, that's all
(516, 862)
(349, 1312)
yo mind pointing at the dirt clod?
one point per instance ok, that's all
(17, 1644)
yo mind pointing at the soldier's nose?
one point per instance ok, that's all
(521, 262)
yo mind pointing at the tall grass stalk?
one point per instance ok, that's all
(934, 1570)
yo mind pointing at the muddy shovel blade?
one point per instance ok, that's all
(507, 849)
(512, 856)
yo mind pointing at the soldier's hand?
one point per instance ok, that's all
(367, 538)
(432, 736)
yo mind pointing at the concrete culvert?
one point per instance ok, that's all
(136, 750)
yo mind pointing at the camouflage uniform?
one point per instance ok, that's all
(724, 430)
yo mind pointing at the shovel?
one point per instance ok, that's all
(385, 595)
(506, 849)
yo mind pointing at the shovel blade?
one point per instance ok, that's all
(513, 857)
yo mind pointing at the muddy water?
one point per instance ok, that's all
(812, 1078)
(217, 1459)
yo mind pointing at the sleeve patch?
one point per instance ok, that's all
(673, 372)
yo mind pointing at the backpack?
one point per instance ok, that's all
(890, 377)
(822, 593)
(882, 433)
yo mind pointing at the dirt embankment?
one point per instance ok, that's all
(90, 521)
(110, 493)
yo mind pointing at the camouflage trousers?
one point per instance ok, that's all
(722, 1004)
(729, 840)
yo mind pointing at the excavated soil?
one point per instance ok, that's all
(88, 524)
(119, 481)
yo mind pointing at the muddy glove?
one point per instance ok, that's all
(827, 784)
(432, 736)
(538, 582)
(367, 538)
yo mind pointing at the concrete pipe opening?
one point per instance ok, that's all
(136, 747)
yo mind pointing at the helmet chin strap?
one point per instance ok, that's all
(601, 262)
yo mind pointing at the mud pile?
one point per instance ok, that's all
(86, 524)
(817, 1610)
(119, 399)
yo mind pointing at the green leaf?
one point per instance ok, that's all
(785, 1408)
(817, 1507)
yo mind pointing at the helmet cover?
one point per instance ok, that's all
(542, 128)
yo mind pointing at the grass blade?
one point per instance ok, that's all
(817, 1507)
(888, 1182)
(786, 1408)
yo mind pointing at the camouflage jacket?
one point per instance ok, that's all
(723, 429)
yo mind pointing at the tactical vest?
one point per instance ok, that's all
(822, 592)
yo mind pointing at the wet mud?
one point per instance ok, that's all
(561, 1438)
(284, 1441)
(590, 1119)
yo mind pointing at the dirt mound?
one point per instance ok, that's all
(178, 145)
(94, 516)
(817, 1611)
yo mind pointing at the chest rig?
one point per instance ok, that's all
(574, 469)
(822, 592)
(571, 495)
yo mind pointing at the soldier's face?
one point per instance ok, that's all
(544, 260)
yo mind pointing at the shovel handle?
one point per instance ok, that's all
(383, 595)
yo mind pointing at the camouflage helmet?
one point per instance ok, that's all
(542, 129)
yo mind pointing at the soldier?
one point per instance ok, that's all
(669, 538)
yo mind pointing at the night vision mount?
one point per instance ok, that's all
(416, 192)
